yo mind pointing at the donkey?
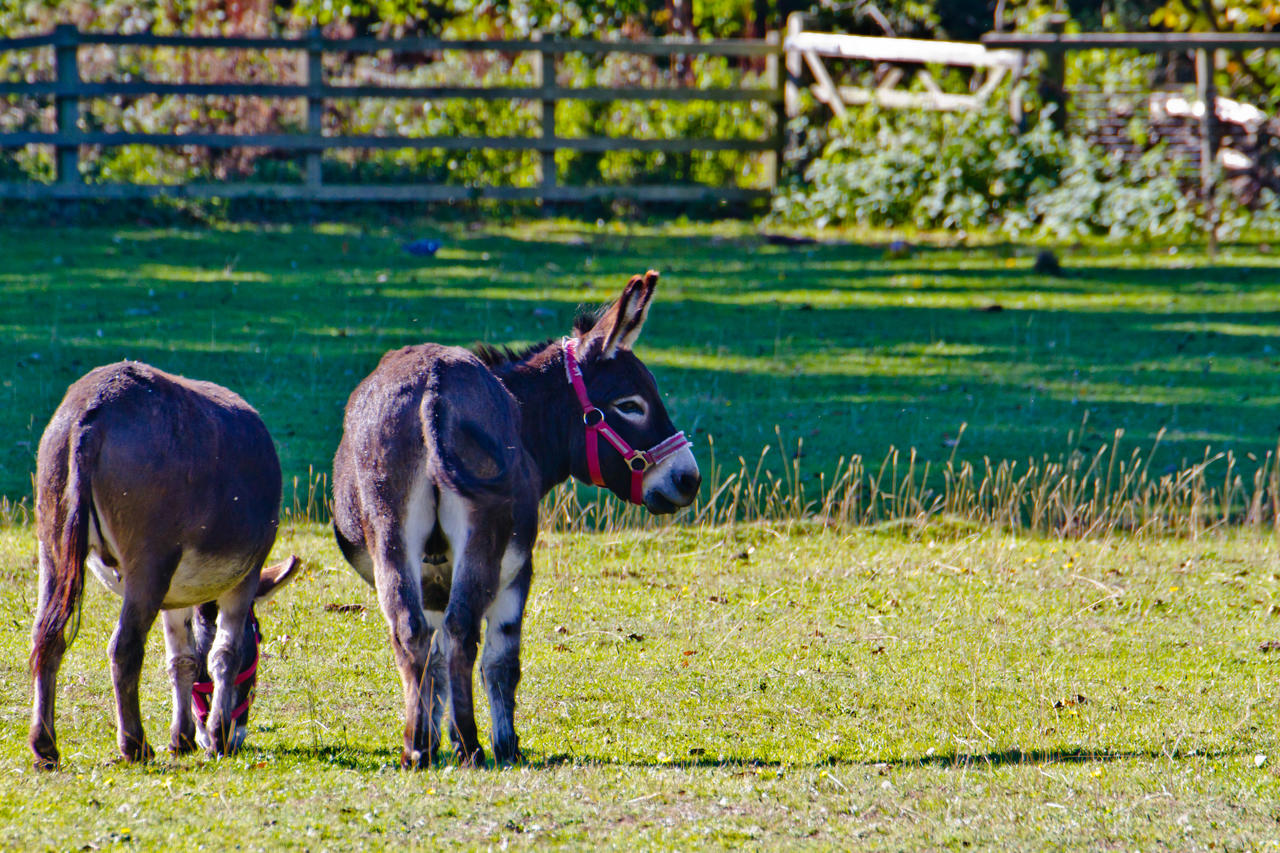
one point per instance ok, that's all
(444, 457)
(169, 490)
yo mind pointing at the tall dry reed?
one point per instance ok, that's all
(1076, 493)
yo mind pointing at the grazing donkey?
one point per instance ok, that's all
(169, 489)
(444, 457)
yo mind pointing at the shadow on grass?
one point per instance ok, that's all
(292, 319)
(343, 756)
(996, 758)
(372, 760)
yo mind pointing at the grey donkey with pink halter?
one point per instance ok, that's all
(445, 455)
(167, 489)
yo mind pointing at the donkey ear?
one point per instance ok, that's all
(274, 577)
(620, 325)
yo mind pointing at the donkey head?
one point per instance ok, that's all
(246, 680)
(621, 401)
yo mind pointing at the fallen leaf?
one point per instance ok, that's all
(334, 607)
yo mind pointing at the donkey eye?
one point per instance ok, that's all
(628, 407)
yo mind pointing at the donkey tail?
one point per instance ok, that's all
(476, 462)
(475, 429)
(69, 525)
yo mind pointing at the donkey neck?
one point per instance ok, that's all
(548, 410)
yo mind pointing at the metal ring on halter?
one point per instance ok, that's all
(587, 417)
(642, 460)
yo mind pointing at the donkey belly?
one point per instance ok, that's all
(199, 577)
(204, 577)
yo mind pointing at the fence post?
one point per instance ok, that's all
(795, 67)
(1053, 77)
(67, 102)
(547, 82)
(314, 82)
(1208, 95)
(777, 80)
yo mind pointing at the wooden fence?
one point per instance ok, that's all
(1205, 46)
(69, 92)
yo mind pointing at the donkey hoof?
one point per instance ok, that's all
(416, 759)
(472, 758)
(181, 744)
(46, 759)
(136, 751)
(44, 750)
(510, 756)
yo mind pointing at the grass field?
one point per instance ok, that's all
(922, 685)
(718, 687)
(835, 344)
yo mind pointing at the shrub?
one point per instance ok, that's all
(928, 170)
(949, 171)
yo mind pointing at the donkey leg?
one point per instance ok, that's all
(478, 535)
(399, 584)
(224, 663)
(436, 675)
(461, 637)
(500, 662)
(128, 644)
(50, 650)
(180, 646)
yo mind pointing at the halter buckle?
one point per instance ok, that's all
(638, 463)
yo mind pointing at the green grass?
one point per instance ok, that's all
(836, 345)
(926, 685)
(722, 686)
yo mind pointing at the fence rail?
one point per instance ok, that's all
(68, 91)
(1145, 42)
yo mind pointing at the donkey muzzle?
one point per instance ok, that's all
(673, 483)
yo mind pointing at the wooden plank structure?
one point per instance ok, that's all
(69, 91)
(812, 46)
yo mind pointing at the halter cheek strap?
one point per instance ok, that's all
(201, 691)
(639, 461)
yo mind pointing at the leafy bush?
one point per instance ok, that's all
(950, 171)
(1098, 193)
(928, 170)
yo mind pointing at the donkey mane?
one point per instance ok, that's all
(587, 319)
(497, 356)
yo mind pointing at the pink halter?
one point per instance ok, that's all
(201, 689)
(638, 461)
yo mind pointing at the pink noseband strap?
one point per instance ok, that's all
(639, 461)
(202, 690)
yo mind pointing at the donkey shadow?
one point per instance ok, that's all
(957, 760)
(346, 756)
(367, 759)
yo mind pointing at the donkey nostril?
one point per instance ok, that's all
(688, 482)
